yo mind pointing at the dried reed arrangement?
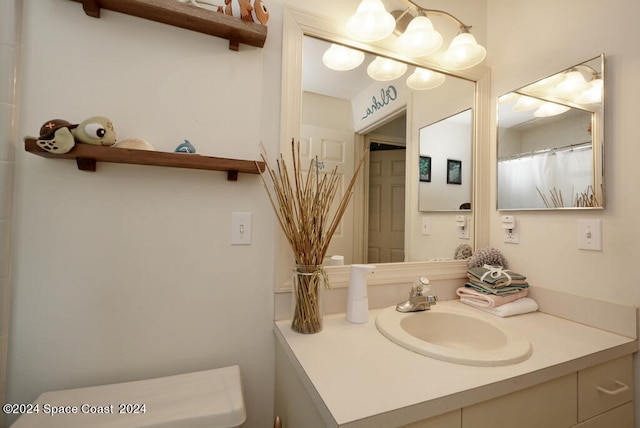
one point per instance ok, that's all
(555, 201)
(587, 198)
(583, 199)
(302, 203)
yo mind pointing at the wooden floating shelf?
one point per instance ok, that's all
(185, 15)
(87, 155)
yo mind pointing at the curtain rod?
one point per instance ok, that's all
(532, 153)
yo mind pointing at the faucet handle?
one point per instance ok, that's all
(420, 287)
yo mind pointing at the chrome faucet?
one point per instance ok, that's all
(419, 300)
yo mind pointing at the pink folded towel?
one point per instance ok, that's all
(517, 307)
(482, 300)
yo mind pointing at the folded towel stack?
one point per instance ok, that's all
(497, 290)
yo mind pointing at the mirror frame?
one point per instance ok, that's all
(296, 24)
(597, 142)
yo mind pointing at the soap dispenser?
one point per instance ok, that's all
(357, 300)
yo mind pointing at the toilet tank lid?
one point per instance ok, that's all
(207, 398)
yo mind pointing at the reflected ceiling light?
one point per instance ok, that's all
(550, 109)
(342, 58)
(423, 79)
(464, 52)
(593, 94)
(511, 97)
(572, 85)
(371, 22)
(419, 39)
(546, 84)
(525, 103)
(384, 69)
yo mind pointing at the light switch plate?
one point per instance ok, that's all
(426, 225)
(590, 235)
(240, 228)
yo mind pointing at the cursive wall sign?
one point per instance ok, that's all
(387, 96)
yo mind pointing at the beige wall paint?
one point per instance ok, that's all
(530, 40)
(128, 272)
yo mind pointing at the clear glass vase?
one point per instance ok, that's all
(308, 298)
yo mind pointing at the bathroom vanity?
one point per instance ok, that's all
(350, 375)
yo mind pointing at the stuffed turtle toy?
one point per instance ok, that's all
(55, 136)
(60, 136)
(96, 130)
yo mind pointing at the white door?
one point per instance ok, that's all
(333, 148)
(386, 206)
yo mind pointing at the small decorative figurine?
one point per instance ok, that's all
(248, 10)
(185, 147)
(60, 136)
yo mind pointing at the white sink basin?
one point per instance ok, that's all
(455, 335)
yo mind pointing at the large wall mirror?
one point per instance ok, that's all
(550, 141)
(342, 110)
(338, 114)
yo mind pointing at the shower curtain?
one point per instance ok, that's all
(569, 172)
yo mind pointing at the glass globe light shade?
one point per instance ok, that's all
(572, 85)
(371, 22)
(525, 103)
(464, 52)
(550, 109)
(508, 98)
(593, 94)
(384, 69)
(545, 85)
(342, 58)
(419, 39)
(423, 79)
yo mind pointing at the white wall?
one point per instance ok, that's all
(10, 14)
(530, 40)
(128, 272)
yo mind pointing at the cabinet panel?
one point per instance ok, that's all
(448, 420)
(293, 404)
(620, 417)
(604, 387)
(551, 404)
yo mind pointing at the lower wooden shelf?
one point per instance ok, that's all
(87, 156)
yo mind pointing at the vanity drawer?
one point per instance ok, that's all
(620, 417)
(604, 387)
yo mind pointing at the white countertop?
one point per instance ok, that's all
(357, 377)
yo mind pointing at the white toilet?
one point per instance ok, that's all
(210, 398)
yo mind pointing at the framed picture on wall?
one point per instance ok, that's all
(425, 168)
(454, 171)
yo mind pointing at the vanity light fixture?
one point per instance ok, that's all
(371, 22)
(549, 95)
(423, 79)
(419, 39)
(572, 85)
(384, 69)
(342, 58)
(549, 109)
(593, 94)
(526, 103)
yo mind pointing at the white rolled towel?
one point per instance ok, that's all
(517, 307)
